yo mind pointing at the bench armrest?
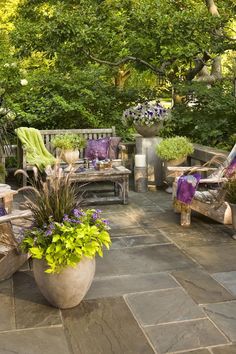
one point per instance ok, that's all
(15, 215)
(214, 180)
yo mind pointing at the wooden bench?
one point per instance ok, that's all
(49, 135)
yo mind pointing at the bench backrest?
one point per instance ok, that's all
(49, 135)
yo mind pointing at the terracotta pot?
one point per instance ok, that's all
(70, 156)
(67, 288)
(148, 132)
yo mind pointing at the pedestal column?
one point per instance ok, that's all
(147, 146)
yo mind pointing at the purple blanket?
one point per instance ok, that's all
(186, 187)
(231, 169)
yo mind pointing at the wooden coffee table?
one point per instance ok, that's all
(118, 175)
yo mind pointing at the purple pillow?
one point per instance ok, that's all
(97, 149)
(113, 147)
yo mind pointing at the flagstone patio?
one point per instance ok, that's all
(160, 289)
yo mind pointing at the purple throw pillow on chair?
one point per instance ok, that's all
(97, 149)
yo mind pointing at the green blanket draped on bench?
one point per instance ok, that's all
(36, 152)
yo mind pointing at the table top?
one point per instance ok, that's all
(118, 170)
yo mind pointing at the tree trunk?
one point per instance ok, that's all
(121, 77)
(216, 69)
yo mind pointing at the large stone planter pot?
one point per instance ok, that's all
(148, 132)
(67, 288)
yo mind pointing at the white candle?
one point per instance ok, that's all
(140, 160)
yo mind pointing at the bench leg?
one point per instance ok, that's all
(116, 189)
(185, 216)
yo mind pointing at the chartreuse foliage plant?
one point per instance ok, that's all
(83, 233)
(62, 233)
(69, 142)
(174, 148)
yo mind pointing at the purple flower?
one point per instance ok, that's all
(95, 216)
(66, 218)
(98, 211)
(106, 222)
(77, 213)
(48, 232)
(76, 221)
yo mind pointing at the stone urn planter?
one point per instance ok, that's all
(70, 156)
(67, 288)
(148, 132)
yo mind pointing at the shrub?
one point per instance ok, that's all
(69, 142)
(174, 148)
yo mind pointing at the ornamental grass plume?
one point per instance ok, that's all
(51, 195)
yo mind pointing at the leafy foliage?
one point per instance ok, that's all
(52, 44)
(69, 141)
(209, 118)
(77, 235)
(174, 148)
(62, 233)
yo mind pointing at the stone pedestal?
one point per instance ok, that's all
(147, 146)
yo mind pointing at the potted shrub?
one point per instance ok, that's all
(173, 151)
(63, 240)
(69, 144)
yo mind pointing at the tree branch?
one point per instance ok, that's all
(126, 60)
(199, 65)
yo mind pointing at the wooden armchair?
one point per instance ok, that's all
(10, 258)
(206, 201)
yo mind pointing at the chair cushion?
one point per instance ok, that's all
(113, 147)
(207, 196)
(97, 149)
